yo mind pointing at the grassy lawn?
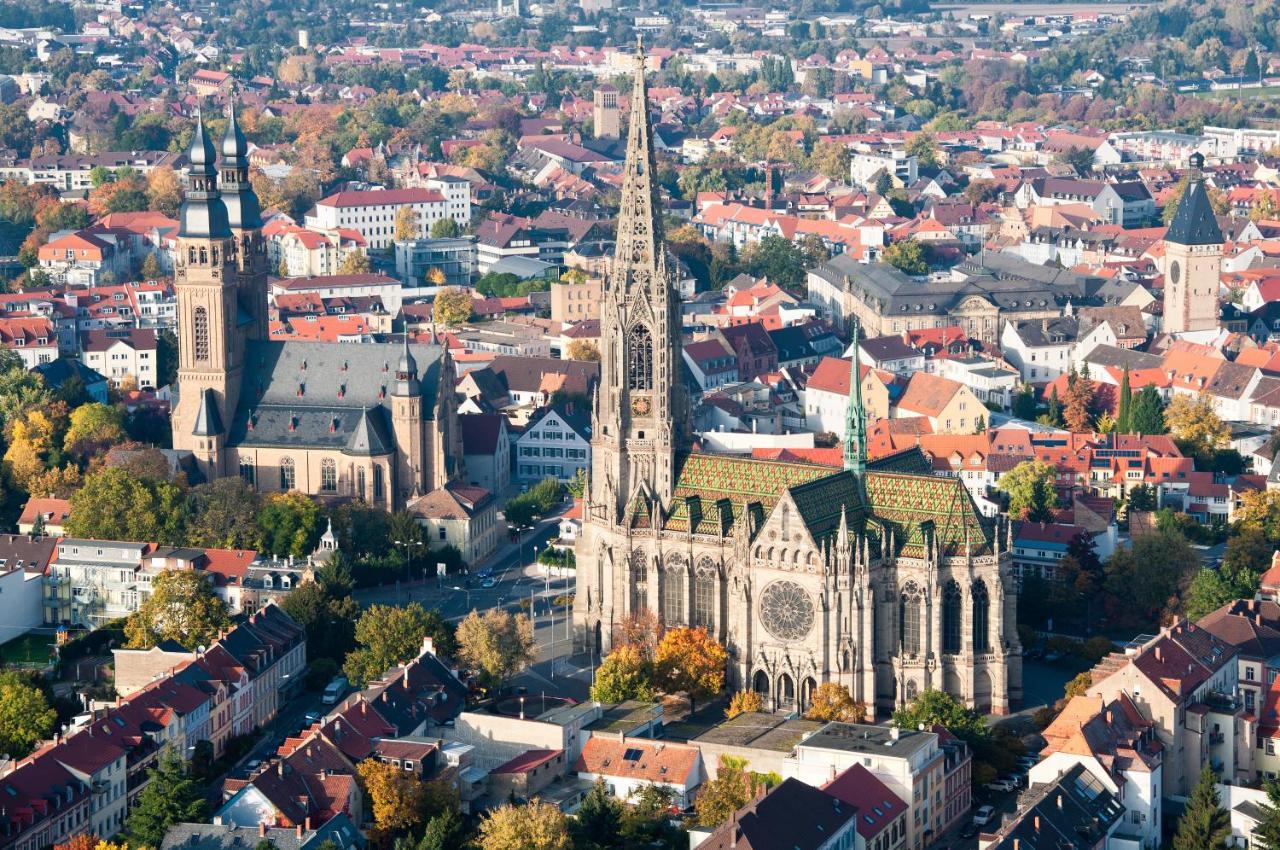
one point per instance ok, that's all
(1241, 94)
(29, 648)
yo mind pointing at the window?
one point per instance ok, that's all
(909, 620)
(328, 476)
(639, 359)
(377, 483)
(200, 329)
(951, 617)
(360, 482)
(247, 471)
(981, 603)
(443, 535)
(287, 474)
(704, 594)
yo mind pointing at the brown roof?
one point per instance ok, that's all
(671, 764)
(928, 394)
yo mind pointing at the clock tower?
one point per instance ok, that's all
(1193, 260)
(641, 413)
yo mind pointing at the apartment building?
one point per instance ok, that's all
(122, 354)
(576, 302)
(373, 213)
(556, 444)
(456, 259)
(31, 338)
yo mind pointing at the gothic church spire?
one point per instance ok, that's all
(639, 226)
(855, 418)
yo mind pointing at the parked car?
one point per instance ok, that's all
(1001, 786)
(334, 690)
(969, 830)
(983, 816)
(312, 717)
(488, 582)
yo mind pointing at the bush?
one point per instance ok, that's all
(1095, 649)
(558, 558)
(1044, 716)
(320, 673)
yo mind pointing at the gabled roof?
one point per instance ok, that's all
(1194, 223)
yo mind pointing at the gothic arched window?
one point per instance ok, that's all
(328, 476)
(200, 332)
(704, 594)
(377, 483)
(673, 592)
(981, 604)
(287, 474)
(639, 580)
(640, 359)
(247, 471)
(360, 484)
(909, 620)
(951, 615)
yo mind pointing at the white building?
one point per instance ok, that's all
(556, 444)
(373, 213)
(389, 290)
(31, 338)
(122, 353)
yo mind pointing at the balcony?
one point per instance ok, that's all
(1216, 738)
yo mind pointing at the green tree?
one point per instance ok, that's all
(171, 797)
(389, 635)
(595, 826)
(1266, 833)
(224, 514)
(924, 147)
(1148, 412)
(25, 715)
(1124, 416)
(626, 673)
(1204, 824)
(182, 607)
(496, 643)
(289, 524)
(1211, 589)
(1080, 160)
(1024, 403)
(732, 789)
(938, 707)
(445, 228)
(115, 504)
(907, 255)
(776, 258)
(1032, 490)
(1142, 498)
(1147, 573)
(328, 617)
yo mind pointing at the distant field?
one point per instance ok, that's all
(1241, 94)
(1031, 10)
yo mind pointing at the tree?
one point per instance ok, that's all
(396, 797)
(115, 504)
(1148, 412)
(1080, 160)
(626, 673)
(406, 225)
(907, 255)
(1204, 824)
(355, 262)
(533, 826)
(1145, 576)
(690, 660)
(1195, 425)
(25, 715)
(776, 258)
(1259, 511)
(1024, 403)
(171, 797)
(94, 427)
(732, 789)
(940, 708)
(1142, 498)
(224, 514)
(150, 269)
(164, 190)
(1266, 833)
(182, 607)
(496, 643)
(1124, 416)
(1079, 685)
(452, 306)
(328, 617)
(832, 701)
(743, 702)
(1079, 398)
(1211, 589)
(584, 349)
(445, 228)
(924, 148)
(1031, 487)
(595, 824)
(289, 524)
(81, 841)
(389, 635)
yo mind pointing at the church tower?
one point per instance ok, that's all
(245, 218)
(1193, 260)
(211, 337)
(855, 419)
(406, 421)
(641, 413)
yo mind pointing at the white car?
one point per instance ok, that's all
(983, 816)
(1001, 785)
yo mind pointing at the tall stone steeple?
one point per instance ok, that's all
(855, 418)
(244, 214)
(641, 416)
(1193, 259)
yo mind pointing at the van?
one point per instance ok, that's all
(334, 690)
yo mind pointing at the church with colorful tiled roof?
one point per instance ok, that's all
(880, 576)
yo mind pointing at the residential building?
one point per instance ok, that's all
(33, 339)
(826, 395)
(754, 349)
(486, 447)
(123, 354)
(555, 444)
(373, 213)
(950, 406)
(791, 816)
(628, 765)
(712, 363)
(83, 259)
(576, 302)
(417, 260)
(92, 582)
(1075, 810)
(882, 815)
(892, 354)
(44, 517)
(460, 516)
(23, 561)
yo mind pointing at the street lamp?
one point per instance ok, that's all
(408, 557)
(467, 591)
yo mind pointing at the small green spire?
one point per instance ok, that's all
(855, 420)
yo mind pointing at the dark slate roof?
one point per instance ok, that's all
(57, 372)
(1194, 223)
(207, 836)
(793, 816)
(371, 438)
(208, 422)
(1075, 810)
(312, 394)
(480, 432)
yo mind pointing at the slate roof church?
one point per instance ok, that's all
(879, 576)
(363, 421)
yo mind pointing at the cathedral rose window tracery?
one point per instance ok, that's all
(786, 610)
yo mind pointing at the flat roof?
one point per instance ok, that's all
(626, 716)
(760, 730)
(864, 738)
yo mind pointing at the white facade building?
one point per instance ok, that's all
(373, 213)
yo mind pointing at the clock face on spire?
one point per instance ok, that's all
(641, 406)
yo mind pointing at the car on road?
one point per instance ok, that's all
(312, 717)
(334, 690)
(969, 830)
(982, 816)
(1001, 786)
(488, 582)
(484, 572)
(252, 765)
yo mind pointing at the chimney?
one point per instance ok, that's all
(1159, 655)
(1059, 801)
(307, 822)
(299, 833)
(1036, 823)
(894, 733)
(262, 829)
(280, 768)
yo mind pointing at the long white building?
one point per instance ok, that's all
(373, 213)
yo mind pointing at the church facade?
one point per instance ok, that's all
(878, 576)
(376, 422)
